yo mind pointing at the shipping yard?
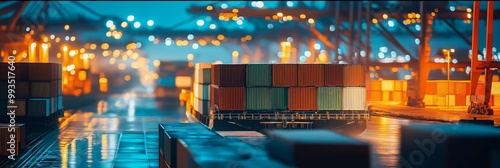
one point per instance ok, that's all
(219, 84)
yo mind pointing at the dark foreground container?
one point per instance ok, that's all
(13, 139)
(231, 75)
(317, 148)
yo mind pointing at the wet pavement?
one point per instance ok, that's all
(121, 131)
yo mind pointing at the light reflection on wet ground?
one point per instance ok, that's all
(122, 132)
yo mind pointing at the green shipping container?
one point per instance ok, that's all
(259, 75)
(206, 76)
(279, 98)
(258, 99)
(329, 98)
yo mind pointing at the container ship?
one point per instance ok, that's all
(172, 78)
(257, 97)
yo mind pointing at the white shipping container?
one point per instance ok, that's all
(203, 92)
(353, 98)
(196, 104)
(196, 87)
(203, 106)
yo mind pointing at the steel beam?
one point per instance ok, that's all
(351, 30)
(392, 39)
(338, 23)
(466, 39)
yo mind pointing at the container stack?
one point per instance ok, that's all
(172, 77)
(387, 90)
(288, 87)
(38, 92)
(201, 88)
(19, 139)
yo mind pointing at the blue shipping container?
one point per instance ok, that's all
(166, 82)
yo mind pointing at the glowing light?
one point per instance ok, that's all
(130, 18)
(45, 46)
(374, 21)
(279, 14)
(168, 42)
(332, 28)
(212, 26)
(122, 66)
(317, 46)
(200, 22)
(108, 34)
(302, 16)
(289, 39)
(289, 3)
(190, 37)
(209, 7)
(381, 55)
(127, 77)
(390, 23)
(195, 46)
(66, 27)
(407, 77)
(28, 29)
(72, 53)
(105, 53)
(66, 38)
(407, 57)
(52, 37)
(220, 37)
(104, 46)
(190, 57)
(124, 24)
(417, 27)
(138, 44)
(185, 42)
(259, 4)
(137, 24)
(239, 22)
(362, 53)
(417, 41)
(385, 16)
(452, 8)
(109, 23)
(383, 49)
(310, 20)
(307, 53)
(151, 38)
(223, 6)
(270, 26)
(73, 38)
(150, 22)
(82, 50)
(235, 53)
(302, 59)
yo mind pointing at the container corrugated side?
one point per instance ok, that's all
(444, 88)
(259, 75)
(353, 98)
(229, 75)
(258, 98)
(354, 75)
(302, 98)
(39, 107)
(329, 98)
(41, 90)
(334, 74)
(311, 75)
(215, 74)
(204, 77)
(41, 71)
(231, 98)
(203, 92)
(284, 75)
(203, 106)
(279, 98)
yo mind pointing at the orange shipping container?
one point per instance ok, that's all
(334, 75)
(398, 85)
(311, 75)
(230, 98)
(445, 88)
(396, 96)
(284, 75)
(431, 88)
(374, 85)
(354, 75)
(460, 100)
(302, 98)
(229, 75)
(460, 88)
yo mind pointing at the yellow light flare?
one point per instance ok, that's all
(377, 67)
(112, 61)
(235, 53)
(394, 69)
(279, 14)
(374, 21)
(248, 37)
(134, 65)
(243, 39)
(58, 55)
(155, 75)
(156, 41)
(235, 11)
(407, 77)
(275, 17)
(105, 53)
(302, 16)
(220, 37)
(124, 24)
(72, 72)
(235, 18)
(322, 57)
(216, 42)
(268, 18)
(32, 32)
(185, 42)
(122, 66)
(190, 57)
(66, 27)
(190, 64)
(82, 50)
(104, 46)
(469, 10)
(417, 16)
(45, 39)
(310, 20)
(124, 57)
(118, 36)
(109, 34)
(371, 68)
(113, 27)
(73, 38)
(134, 56)
(385, 16)
(93, 46)
(221, 17)
(156, 63)
(178, 42)
(58, 40)
(82, 75)
(289, 17)
(245, 60)
(202, 42)
(72, 53)
(209, 7)
(127, 77)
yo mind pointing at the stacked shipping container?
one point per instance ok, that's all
(172, 77)
(19, 139)
(436, 93)
(38, 91)
(201, 88)
(287, 87)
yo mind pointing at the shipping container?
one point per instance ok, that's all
(398, 85)
(284, 75)
(396, 96)
(386, 95)
(329, 98)
(405, 85)
(460, 100)
(230, 98)
(311, 75)
(231, 75)
(40, 90)
(302, 98)
(431, 88)
(334, 74)
(461, 88)
(41, 72)
(353, 98)
(166, 82)
(258, 75)
(258, 98)
(203, 106)
(496, 100)
(354, 75)
(19, 139)
(22, 71)
(22, 90)
(183, 81)
(20, 107)
(202, 73)
(202, 92)
(387, 85)
(60, 103)
(39, 107)
(279, 98)
(445, 88)
(429, 100)
(4, 90)
(374, 95)
(495, 88)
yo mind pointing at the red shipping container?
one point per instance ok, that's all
(431, 88)
(284, 75)
(461, 100)
(334, 75)
(214, 96)
(230, 98)
(302, 98)
(311, 75)
(229, 75)
(354, 75)
(215, 70)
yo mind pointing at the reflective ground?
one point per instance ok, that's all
(121, 131)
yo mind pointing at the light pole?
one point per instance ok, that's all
(448, 59)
